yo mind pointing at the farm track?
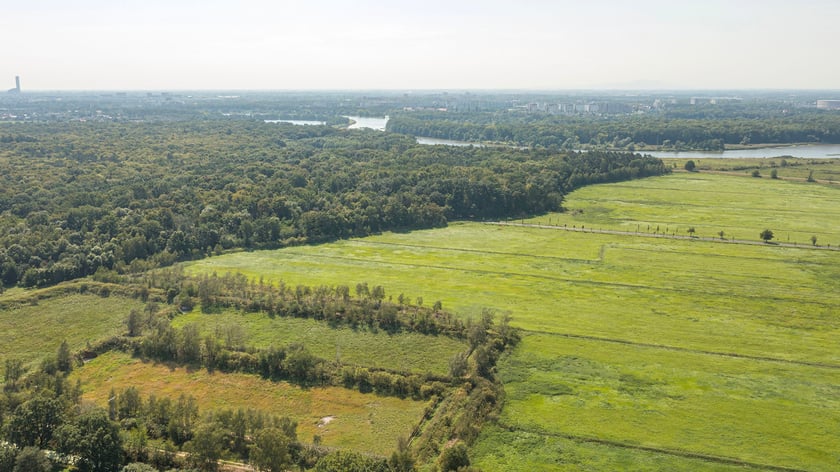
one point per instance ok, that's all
(733, 355)
(479, 251)
(664, 236)
(656, 450)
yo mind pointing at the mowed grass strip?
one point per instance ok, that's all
(31, 332)
(752, 300)
(741, 207)
(755, 411)
(404, 352)
(362, 422)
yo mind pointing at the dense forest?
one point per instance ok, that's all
(80, 197)
(678, 127)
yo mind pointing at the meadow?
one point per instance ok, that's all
(33, 329)
(363, 422)
(404, 352)
(640, 353)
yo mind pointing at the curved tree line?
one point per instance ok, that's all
(79, 197)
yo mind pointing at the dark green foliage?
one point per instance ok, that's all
(690, 166)
(271, 450)
(94, 439)
(679, 127)
(206, 447)
(34, 421)
(138, 467)
(766, 235)
(402, 459)
(64, 359)
(7, 457)
(32, 459)
(347, 461)
(453, 457)
(122, 198)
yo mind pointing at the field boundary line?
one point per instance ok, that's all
(658, 450)
(666, 347)
(663, 236)
(571, 281)
(479, 251)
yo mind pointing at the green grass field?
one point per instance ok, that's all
(362, 422)
(740, 207)
(641, 353)
(411, 352)
(31, 332)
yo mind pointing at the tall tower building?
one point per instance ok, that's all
(17, 85)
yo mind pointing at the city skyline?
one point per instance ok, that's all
(469, 45)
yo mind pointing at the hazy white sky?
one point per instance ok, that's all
(430, 44)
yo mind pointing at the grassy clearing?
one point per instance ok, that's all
(689, 346)
(412, 352)
(363, 422)
(740, 207)
(31, 332)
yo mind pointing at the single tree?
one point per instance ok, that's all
(766, 235)
(454, 457)
(401, 459)
(690, 166)
(756, 173)
(270, 451)
(94, 439)
(206, 447)
(64, 358)
(691, 231)
(134, 322)
(814, 240)
(774, 174)
(34, 421)
(721, 234)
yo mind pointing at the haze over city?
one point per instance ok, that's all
(373, 44)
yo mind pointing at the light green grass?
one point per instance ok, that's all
(362, 422)
(31, 332)
(754, 300)
(756, 411)
(411, 352)
(523, 451)
(632, 337)
(741, 207)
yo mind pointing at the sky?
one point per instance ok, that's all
(416, 45)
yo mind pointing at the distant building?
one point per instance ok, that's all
(712, 100)
(17, 85)
(828, 104)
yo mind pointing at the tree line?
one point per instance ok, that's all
(76, 197)
(681, 128)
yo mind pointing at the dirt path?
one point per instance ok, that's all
(663, 236)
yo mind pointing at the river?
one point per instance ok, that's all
(807, 151)
(299, 122)
(377, 123)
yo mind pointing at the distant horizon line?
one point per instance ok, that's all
(431, 89)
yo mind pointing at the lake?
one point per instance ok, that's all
(807, 151)
(377, 123)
